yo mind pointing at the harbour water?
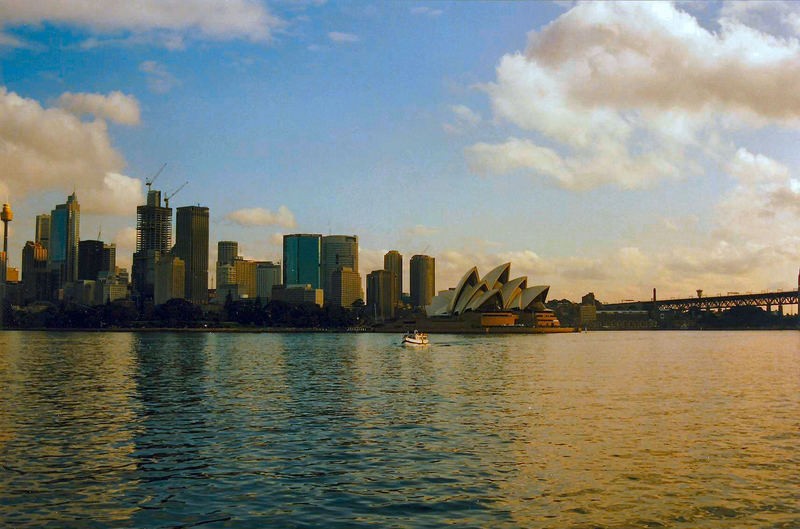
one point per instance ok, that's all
(609, 430)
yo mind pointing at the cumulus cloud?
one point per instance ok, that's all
(629, 93)
(159, 79)
(116, 106)
(44, 149)
(263, 217)
(218, 19)
(341, 38)
(118, 195)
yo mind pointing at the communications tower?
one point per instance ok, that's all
(6, 216)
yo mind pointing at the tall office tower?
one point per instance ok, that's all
(153, 237)
(268, 275)
(245, 271)
(393, 262)
(380, 289)
(227, 251)
(170, 278)
(337, 251)
(62, 255)
(110, 259)
(90, 259)
(344, 288)
(191, 245)
(423, 280)
(43, 230)
(301, 259)
(34, 272)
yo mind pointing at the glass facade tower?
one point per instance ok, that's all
(301, 259)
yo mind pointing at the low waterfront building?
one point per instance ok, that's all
(492, 293)
(298, 294)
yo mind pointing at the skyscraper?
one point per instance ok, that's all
(423, 280)
(344, 287)
(110, 259)
(43, 230)
(337, 251)
(153, 236)
(62, 256)
(90, 259)
(268, 275)
(227, 251)
(380, 287)
(301, 259)
(393, 263)
(191, 245)
(34, 272)
(170, 277)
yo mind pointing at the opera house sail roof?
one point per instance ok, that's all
(494, 292)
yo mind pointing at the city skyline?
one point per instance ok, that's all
(449, 156)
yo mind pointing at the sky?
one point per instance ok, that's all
(605, 147)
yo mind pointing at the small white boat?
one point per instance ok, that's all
(415, 338)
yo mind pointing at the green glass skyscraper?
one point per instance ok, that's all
(301, 259)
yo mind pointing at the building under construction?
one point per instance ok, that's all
(153, 236)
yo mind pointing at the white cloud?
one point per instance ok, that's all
(421, 231)
(166, 39)
(629, 93)
(340, 38)
(159, 79)
(465, 114)
(119, 195)
(218, 19)
(276, 239)
(45, 149)
(263, 217)
(116, 106)
(426, 11)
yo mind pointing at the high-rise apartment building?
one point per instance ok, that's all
(62, 255)
(191, 245)
(153, 237)
(268, 275)
(337, 251)
(34, 272)
(380, 289)
(90, 259)
(43, 230)
(344, 287)
(393, 263)
(301, 259)
(423, 280)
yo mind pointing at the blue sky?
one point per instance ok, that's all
(468, 131)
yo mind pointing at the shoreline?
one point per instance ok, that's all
(300, 330)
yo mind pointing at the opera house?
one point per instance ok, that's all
(496, 292)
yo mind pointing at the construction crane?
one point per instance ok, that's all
(149, 182)
(166, 199)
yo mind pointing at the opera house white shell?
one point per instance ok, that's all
(492, 293)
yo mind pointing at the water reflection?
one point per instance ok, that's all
(225, 430)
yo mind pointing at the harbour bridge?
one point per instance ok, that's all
(732, 299)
